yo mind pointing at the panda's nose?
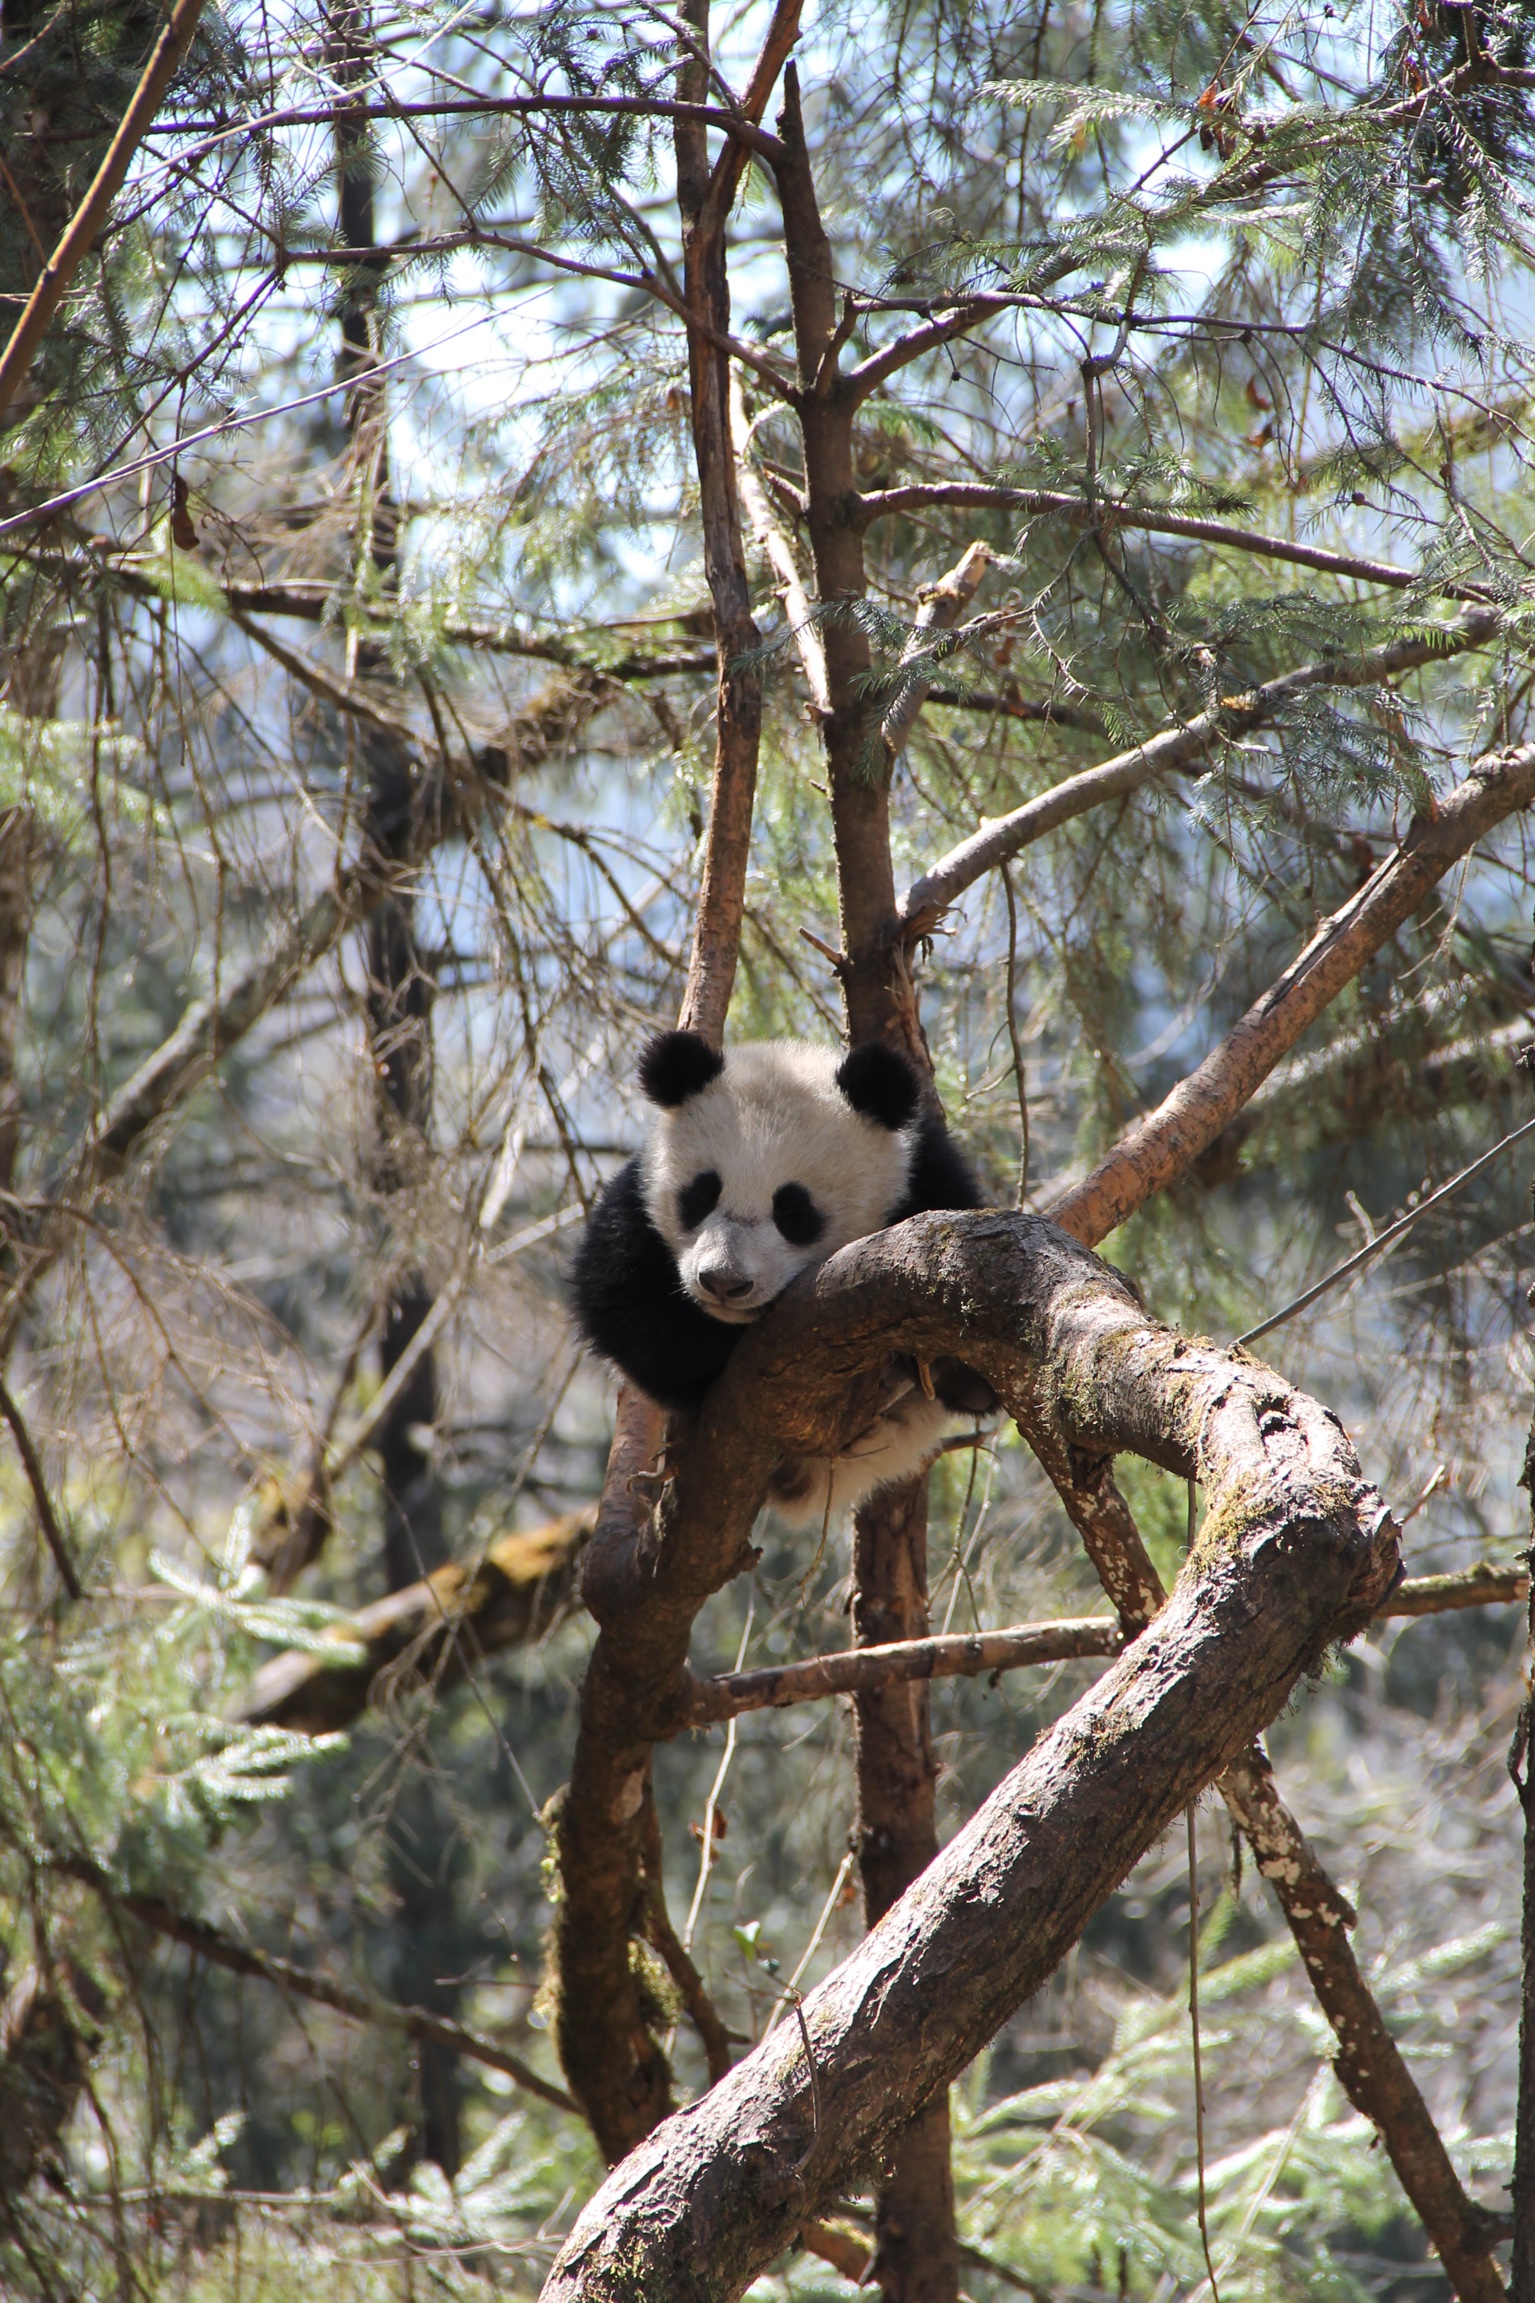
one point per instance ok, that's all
(724, 1284)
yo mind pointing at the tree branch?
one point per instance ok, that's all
(967, 1655)
(360, 2007)
(942, 606)
(1368, 2061)
(944, 882)
(1369, 2064)
(517, 1589)
(1164, 1145)
(1295, 1550)
(47, 1519)
(1105, 515)
(778, 551)
(81, 231)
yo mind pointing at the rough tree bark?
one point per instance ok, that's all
(1295, 1550)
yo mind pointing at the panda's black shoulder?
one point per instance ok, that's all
(630, 1303)
(940, 1176)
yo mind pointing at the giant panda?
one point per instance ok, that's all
(759, 1165)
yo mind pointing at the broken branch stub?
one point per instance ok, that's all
(1296, 1550)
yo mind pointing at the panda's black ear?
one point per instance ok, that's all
(676, 1065)
(879, 1084)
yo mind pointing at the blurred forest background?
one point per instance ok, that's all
(349, 512)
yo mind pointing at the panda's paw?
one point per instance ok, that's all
(964, 1389)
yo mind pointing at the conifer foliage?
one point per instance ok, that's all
(1003, 531)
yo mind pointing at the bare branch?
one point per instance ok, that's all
(1369, 2063)
(778, 551)
(929, 897)
(967, 1655)
(1164, 1145)
(47, 1520)
(433, 1631)
(1103, 514)
(300, 1983)
(942, 606)
(858, 1669)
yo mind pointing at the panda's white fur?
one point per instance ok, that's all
(810, 1490)
(773, 1113)
(847, 1138)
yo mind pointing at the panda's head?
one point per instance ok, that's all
(766, 1161)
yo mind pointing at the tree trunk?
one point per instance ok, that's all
(916, 2254)
(424, 1856)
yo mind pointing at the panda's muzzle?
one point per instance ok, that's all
(724, 1285)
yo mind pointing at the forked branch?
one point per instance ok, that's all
(1296, 1550)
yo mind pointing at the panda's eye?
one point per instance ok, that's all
(797, 1216)
(697, 1199)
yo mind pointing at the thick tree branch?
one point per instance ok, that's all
(1164, 1145)
(944, 882)
(1296, 1549)
(1052, 1329)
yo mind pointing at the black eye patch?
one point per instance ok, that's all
(797, 1216)
(697, 1199)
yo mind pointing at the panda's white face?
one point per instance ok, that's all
(766, 1171)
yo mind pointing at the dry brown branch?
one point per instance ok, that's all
(778, 550)
(1369, 2064)
(944, 882)
(1163, 1146)
(90, 217)
(1295, 1550)
(222, 1950)
(965, 1655)
(1097, 513)
(953, 1656)
(513, 1593)
(47, 1519)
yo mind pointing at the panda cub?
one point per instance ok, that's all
(758, 1166)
